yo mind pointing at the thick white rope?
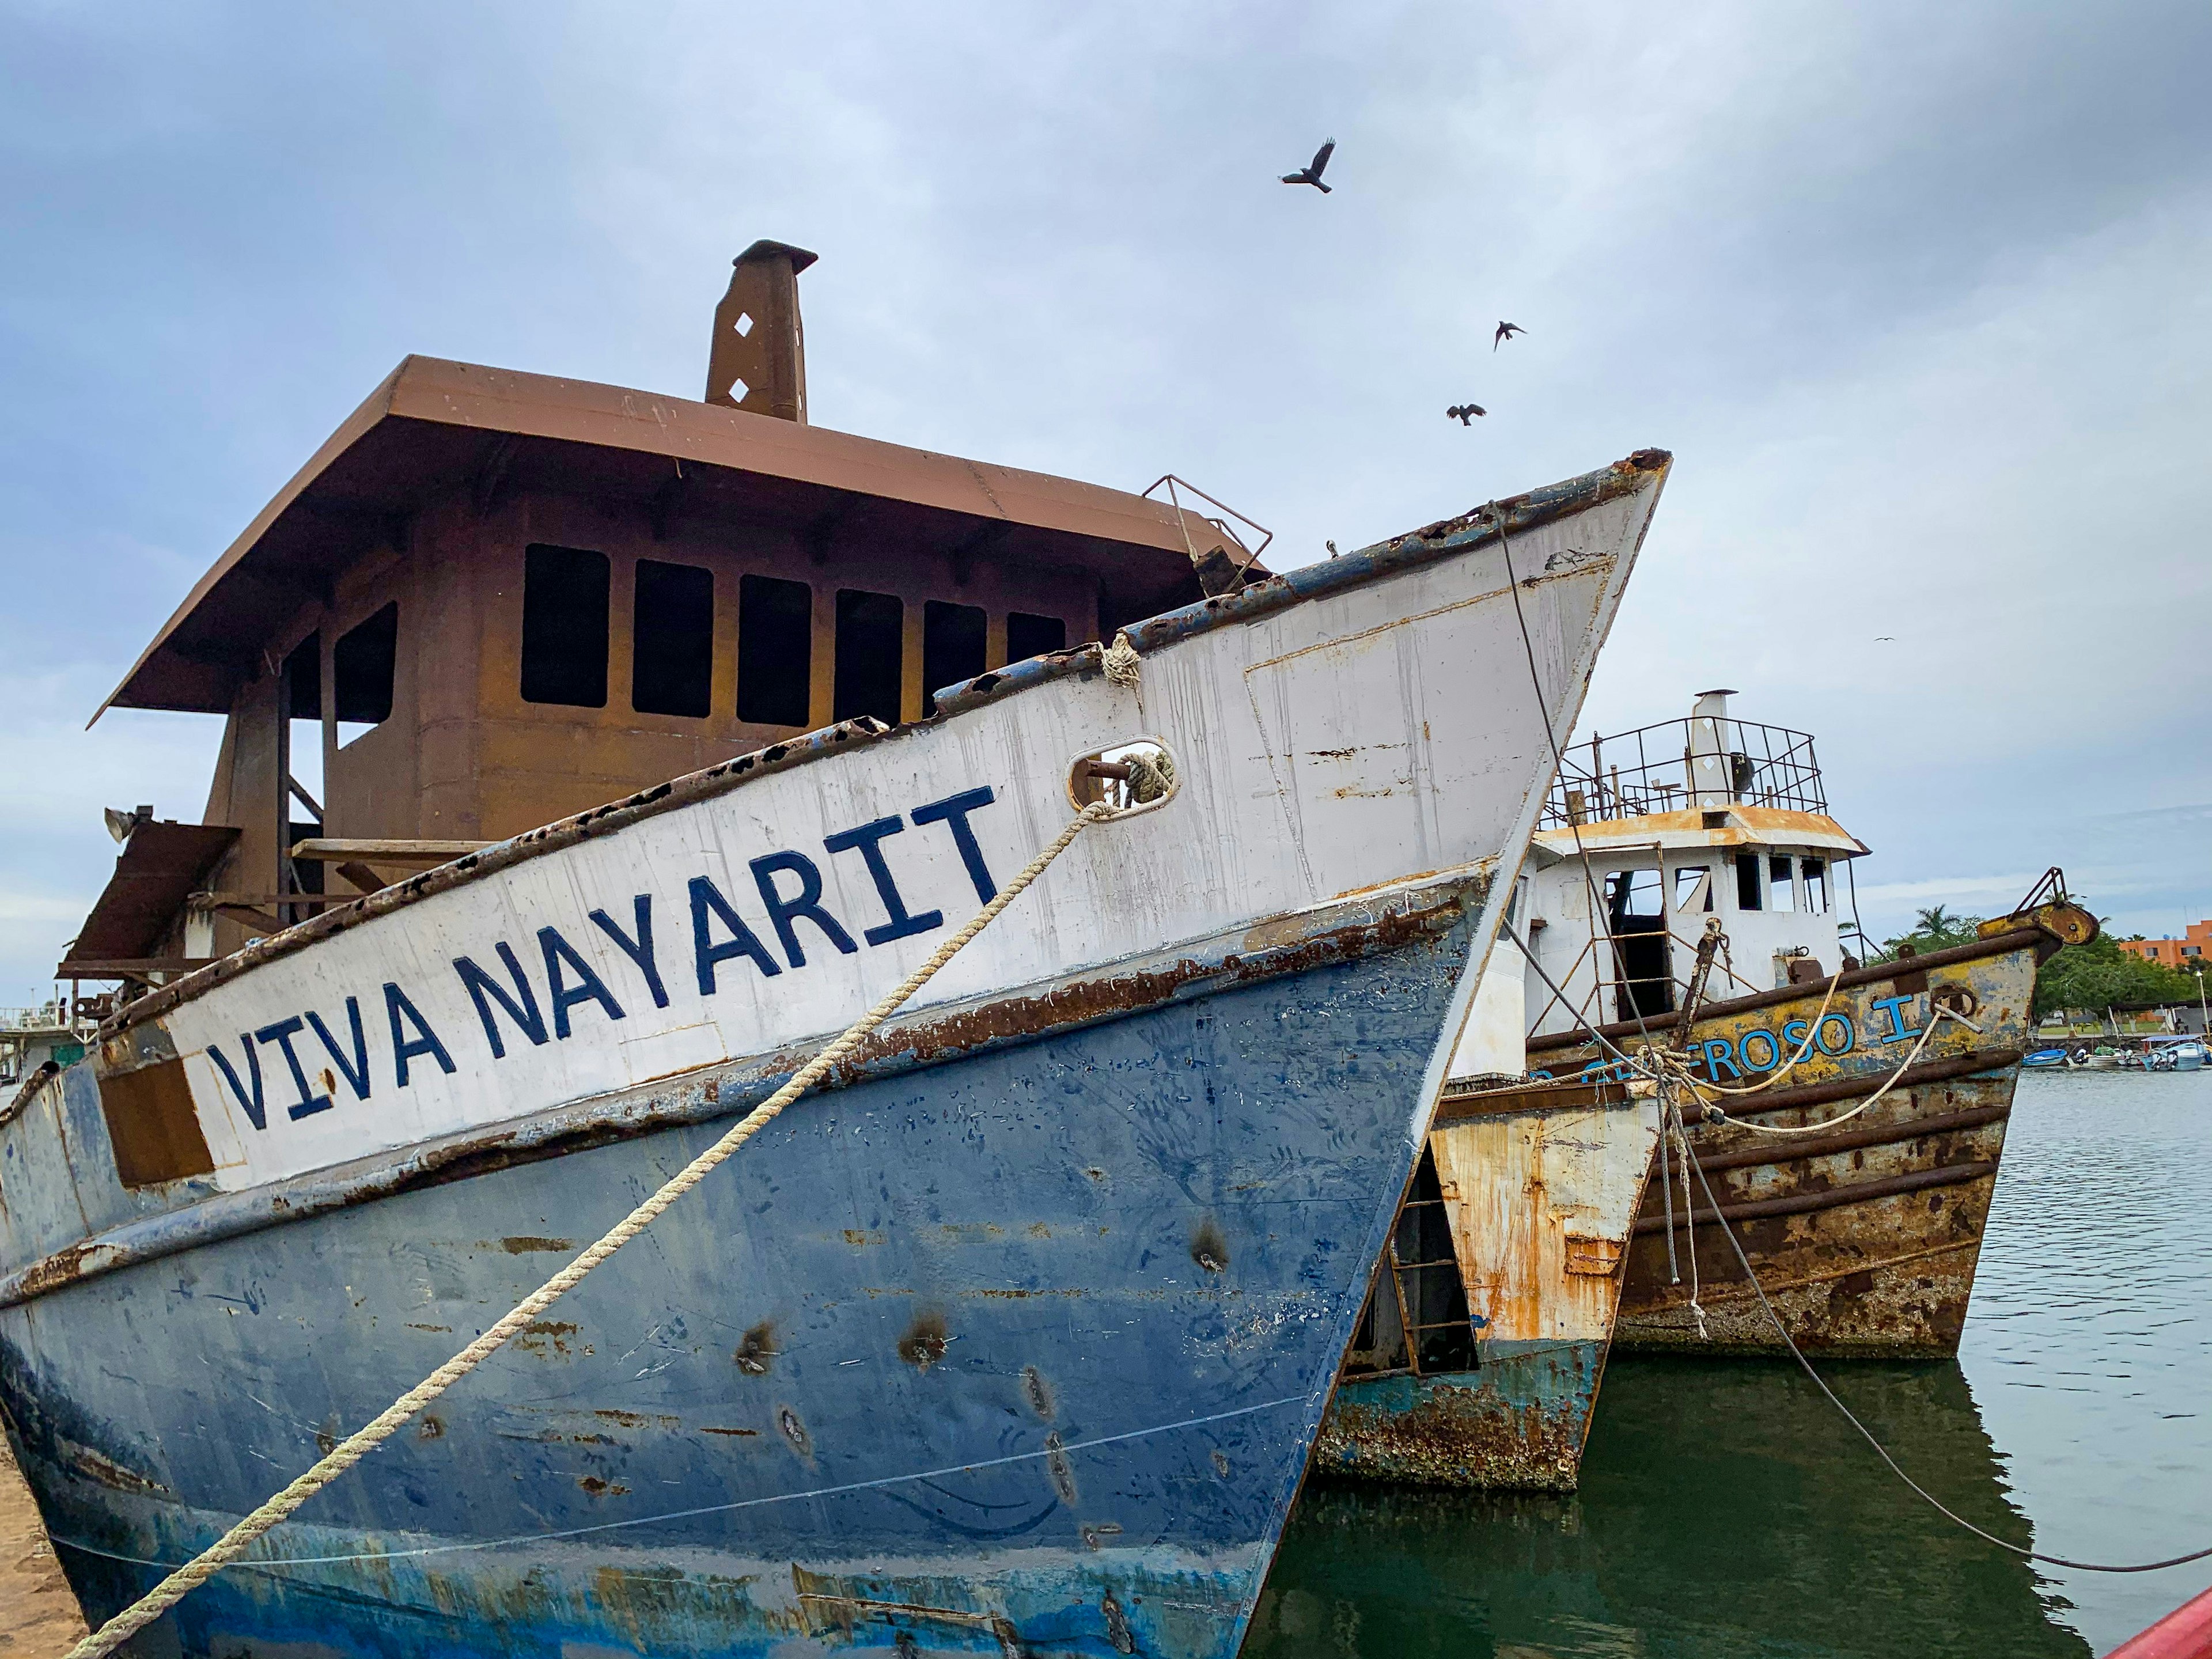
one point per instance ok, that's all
(1790, 1065)
(1940, 1015)
(357, 1445)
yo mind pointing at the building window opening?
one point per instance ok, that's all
(362, 664)
(1781, 891)
(672, 640)
(1816, 886)
(1694, 888)
(1747, 882)
(1029, 636)
(300, 694)
(564, 626)
(775, 651)
(871, 666)
(954, 638)
(1636, 916)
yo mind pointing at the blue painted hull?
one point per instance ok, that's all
(1020, 1351)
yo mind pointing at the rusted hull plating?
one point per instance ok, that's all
(1866, 1236)
(1517, 1423)
(1539, 1187)
(1014, 1352)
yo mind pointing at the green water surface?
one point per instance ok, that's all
(1726, 1509)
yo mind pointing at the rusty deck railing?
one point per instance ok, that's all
(1682, 763)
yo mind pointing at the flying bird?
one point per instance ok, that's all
(1461, 411)
(1505, 332)
(1311, 172)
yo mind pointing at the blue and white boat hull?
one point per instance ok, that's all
(1015, 1339)
(1029, 1346)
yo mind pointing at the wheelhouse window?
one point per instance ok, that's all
(869, 671)
(362, 664)
(775, 650)
(1816, 886)
(1636, 915)
(564, 626)
(1694, 888)
(1747, 882)
(672, 640)
(1031, 635)
(1782, 888)
(954, 638)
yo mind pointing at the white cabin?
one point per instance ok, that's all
(1666, 827)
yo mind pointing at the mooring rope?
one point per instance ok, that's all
(1939, 1015)
(357, 1445)
(1880, 1451)
(1784, 1070)
(1668, 1085)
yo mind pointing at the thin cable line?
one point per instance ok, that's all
(1558, 768)
(717, 1508)
(1934, 1502)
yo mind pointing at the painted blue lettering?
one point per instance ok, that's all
(521, 1008)
(1821, 1034)
(282, 1034)
(638, 950)
(589, 986)
(869, 839)
(1719, 1052)
(1795, 1033)
(1895, 1007)
(706, 900)
(355, 1074)
(404, 1048)
(257, 1111)
(783, 911)
(1773, 1051)
(954, 811)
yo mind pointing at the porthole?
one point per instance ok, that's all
(1132, 777)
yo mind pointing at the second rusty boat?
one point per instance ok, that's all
(1853, 1152)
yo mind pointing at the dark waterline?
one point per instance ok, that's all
(1726, 1510)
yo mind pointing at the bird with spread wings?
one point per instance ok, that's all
(1311, 172)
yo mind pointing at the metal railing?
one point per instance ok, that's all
(54, 1016)
(1684, 763)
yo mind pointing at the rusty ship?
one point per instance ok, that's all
(1680, 901)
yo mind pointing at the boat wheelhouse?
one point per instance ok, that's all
(492, 599)
(1648, 837)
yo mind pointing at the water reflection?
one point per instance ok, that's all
(1725, 1510)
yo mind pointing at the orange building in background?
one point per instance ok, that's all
(2184, 952)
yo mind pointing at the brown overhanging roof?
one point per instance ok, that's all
(435, 426)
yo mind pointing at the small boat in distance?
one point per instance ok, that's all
(1015, 1339)
(1678, 897)
(2168, 1054)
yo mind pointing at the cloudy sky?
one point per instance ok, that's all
(1916, 295)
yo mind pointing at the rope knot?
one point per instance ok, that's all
(1123, 664)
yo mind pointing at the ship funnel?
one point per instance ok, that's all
(1719, 774)
(758, 358)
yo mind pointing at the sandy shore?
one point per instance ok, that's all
(39, 1617)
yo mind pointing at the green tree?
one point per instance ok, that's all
(1936, 928)
(2100, 974)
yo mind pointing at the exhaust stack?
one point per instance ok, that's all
(758, 358)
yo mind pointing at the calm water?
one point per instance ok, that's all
(1726, 1510)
